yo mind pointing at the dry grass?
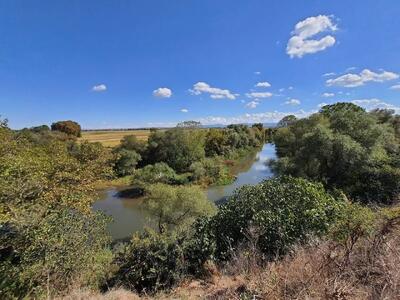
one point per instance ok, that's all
(113, 138)
(322, 269)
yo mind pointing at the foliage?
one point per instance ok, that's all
(126, 162)
(353, 222)
(131, 143)
(287, 121)
(177, 147)
(150, 262)
(210, 171)
(49, 238)
(95, 158)
(48, 254)
(343, 147)
(176, 207)
(68, 127)
(285, 211)
(157, 173)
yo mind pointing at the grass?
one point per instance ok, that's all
(113, 138)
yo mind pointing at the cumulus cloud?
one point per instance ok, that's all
(354, 80)
(328, 95)
(301, 42)
(395, 87)
(329, 74)
(184, 110)
(293, 102)
(263, 84)
(252, 104)
(162, 92)
(373, 103)
(259, 95)
(267, 117)
(215, 93)
(99, 88)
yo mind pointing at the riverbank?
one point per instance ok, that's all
(128, 213)
(234, 163)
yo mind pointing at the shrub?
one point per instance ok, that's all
(157, 173)
(126, 162)
(285, 210)
(50, 254)
(174, 207)
(150, 262)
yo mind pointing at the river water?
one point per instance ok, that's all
(128, 213)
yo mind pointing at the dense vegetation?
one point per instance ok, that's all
(330, 166)
(344, 147)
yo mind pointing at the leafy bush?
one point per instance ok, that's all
(285, 211)
(210, 171)
(126, 162)
(176, 207)
(157, 173)
(343, 147)
(150, 262)
(50, 254)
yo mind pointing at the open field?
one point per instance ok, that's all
(111, 138)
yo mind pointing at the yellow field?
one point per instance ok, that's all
(113, 138)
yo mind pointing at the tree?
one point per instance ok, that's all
(177, 147)
(175, 207)
(284, 211)
(126, 162)
(343, 147)
(287, 121)
(130, 142)
(68, 127)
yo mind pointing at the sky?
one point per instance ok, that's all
(131, 63)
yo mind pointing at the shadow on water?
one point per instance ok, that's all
(125, 204)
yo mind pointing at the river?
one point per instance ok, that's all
(129, 216)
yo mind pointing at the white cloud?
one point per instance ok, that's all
(328, 95)
(301, 43)
(290, 88)
(257, 72)
(263, 84)
(184, 110)
(395, 87)
(281, 90)
(373, 103)
(252, 104)
(329, 74)
(293, 102)
(322, 104)
(354, 80)
(215, 93)
(99, 88)
(259, 95)
(162, 92)
(267, 117)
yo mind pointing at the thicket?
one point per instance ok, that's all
(344, 147)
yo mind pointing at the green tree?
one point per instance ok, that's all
(287, 121)
(176, 207)
(126, 162)
(177, 147)
(284, 211)
(343, 147)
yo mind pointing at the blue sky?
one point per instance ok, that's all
(146, 63)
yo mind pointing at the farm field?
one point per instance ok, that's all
(112, 138)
